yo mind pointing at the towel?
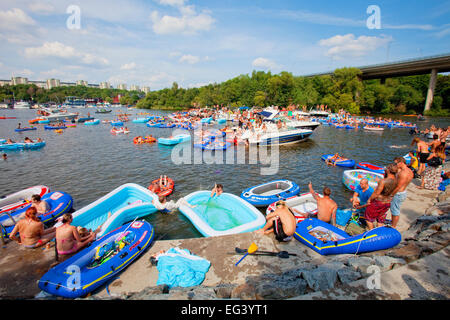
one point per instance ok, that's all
(179, 268)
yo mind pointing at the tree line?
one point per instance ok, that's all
(341, 90)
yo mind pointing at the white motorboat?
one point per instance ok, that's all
(21, 105)
(58, 114)
(273, 136)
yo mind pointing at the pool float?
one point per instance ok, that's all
(222, 215)
(168, 189)
(267, 193)
(2, 141)
(98, 263)
(326, 239)
(152, 124)
(71, 125)
(125, 203)
(59, 131)
(341, 163)
(81, 120)
(175, 139)
(92, 122)
(165, 125)
(217, 145)
(22, 145)
(116, 123)
(25, 129)
(304, 202)
(146, 139)
(59, 202)
(206, 120)
(373, 128)
(370, 167)
(140, 120)
(351, 178)
(19, 199)
(54, 127)
(35, 120)
(43, 121)
(4, 118)
(349, 127)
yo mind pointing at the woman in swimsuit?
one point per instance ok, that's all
(68, 240)
(31, 230)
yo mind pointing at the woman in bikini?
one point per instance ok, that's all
(31, 231)
(68, 240)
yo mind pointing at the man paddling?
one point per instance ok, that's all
(404, 177)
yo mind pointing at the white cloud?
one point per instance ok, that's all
(347, 46)
(41, 7)
(15, 18)
(60, 50)
(190, 22)
(128, 66)
(264, 63)
(172, 3)
(189, 59)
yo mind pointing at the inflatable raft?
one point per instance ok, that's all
(222, 215)
(18, 200)
(98, 263)
(352, 178)
(54, 127)
(59, 202)
(175, 139)
(165, 191)
(25, 129)
(92, 122)
(370, 167)
(22, 146)
(349, 163)
(123, 204)
(116, 123)
(304, 203)
(270, 192)
(326, 239)
(373, 128)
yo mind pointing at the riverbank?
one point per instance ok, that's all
(423, 225)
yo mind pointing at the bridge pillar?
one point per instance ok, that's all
(431, 87)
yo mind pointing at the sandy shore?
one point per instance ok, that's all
(21, 268)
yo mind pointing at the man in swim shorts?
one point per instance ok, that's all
(326, 207)
(422, 152)
(40, 205)
(380, 200)
(404, 177)
(281, 222)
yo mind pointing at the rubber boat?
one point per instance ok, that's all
(349, 163)
(120, 130)
(222, 215)
(304, 202)
(116, 123)
(25, 129)
(326, 239)
(101, 261)
(370, 167)
(146, 139)
(125, 203)
(217, 145)
(351, 178)
(22, 145)
(81, 120)
(175, 139)
(157, 189)
(270, 192)
(19, 199)
(54, 127)
(373, 128)
(43, 121)
(206, 120)
(59, 202)
(140, 120)
(165, 125)
(2, 141)
(92, 122)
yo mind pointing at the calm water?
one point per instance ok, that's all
(88, 161)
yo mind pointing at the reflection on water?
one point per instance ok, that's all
(88, 161)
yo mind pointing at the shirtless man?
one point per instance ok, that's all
(380, 200)
(281, 222)
(40, 205)
(326, 207)
(423, 153)
(435, 143)
(31, 231)
(404, 177)
(217, 190)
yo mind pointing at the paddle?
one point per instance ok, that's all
(280, 254)
(253, 247)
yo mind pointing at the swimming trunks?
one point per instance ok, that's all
(397, 202)
(423, 157)
(377, 210)
(279, 232)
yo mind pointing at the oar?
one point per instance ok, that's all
(253, 247)
(280, 254)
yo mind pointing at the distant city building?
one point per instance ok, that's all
(122, 86)
(134, 87)
(4, 82)
(53, 83)
(18, 80)
(145, 89)
(39, 84)
(105, 85)
(82, 83)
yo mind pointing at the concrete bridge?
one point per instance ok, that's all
(432, 65)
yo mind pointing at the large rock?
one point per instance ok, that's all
(244, 291)
(409, 252)
(347, 275)
(386, 263)
(320, 279)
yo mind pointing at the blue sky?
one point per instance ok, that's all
(155, 42)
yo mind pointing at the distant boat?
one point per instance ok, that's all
(21, 105)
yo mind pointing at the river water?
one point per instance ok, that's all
(88, 162)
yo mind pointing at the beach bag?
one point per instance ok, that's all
(435, 162)
(343, 216)
(353, 228)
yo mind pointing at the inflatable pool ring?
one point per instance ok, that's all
(167, 190)
(352, 178)
(326, 239)
(98, 263)
(370, 167)
(59, 131)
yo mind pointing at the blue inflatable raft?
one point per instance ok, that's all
(270, 192)
(25, 129)
(59, 202)
(22, 145)
(54, 127)
(350, 163)
(327, 239)
(92, 122)
(98, 263)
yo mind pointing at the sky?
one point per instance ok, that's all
(196, 42)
